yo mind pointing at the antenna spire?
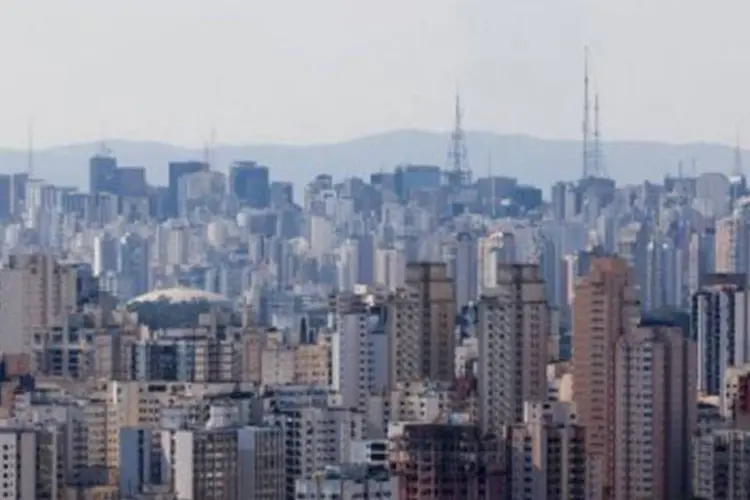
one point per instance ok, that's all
(457, 152)
(586, 114)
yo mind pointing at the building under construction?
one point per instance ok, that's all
(446, 461)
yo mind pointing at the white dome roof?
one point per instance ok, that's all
(180, 294)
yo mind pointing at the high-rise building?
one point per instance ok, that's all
(18, 191)
(315, 437)
(6, 196)
(360, 350)
(720, 315)
(105, 254)
(250, 184)
(494, 249)
(722, 461)
(436, 316)
(465, 268)
(655, 412)
(605, 307)
(131, 181)
(20, 465)
(102, 174)
(390, 268)
(37, 292)
(282, 194)
(224, 461)
(513, 326)
(178, 170)
(547, 455)
(202, 191)
(133, 266)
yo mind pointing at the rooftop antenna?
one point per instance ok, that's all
(457, 152)
(102, 148)
(209, 149)
(586, 114)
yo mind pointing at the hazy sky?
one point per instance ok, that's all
(326, 70)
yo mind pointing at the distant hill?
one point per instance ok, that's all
(531, 160)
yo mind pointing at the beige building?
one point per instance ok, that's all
(436, 316)
(37, 292)
(306, 364)
(142, 405)
(312, 363)
(404, 358)
(605, 307)
(655, 412)
(513, 328)
(419, 401)
(732, 243)
(547, 456)
(420, 326)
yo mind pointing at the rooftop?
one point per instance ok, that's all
(179, 295)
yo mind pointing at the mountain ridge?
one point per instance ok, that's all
(531, 159)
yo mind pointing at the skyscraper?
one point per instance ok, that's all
(102, 174)
(465, 268)
(513, 325)
(605, 308)
(655, 412)
(177, 170)
(435, 295)
(721, 327)
(250, 184)
(133, 265)
(6, 196)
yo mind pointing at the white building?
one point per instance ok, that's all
(348, 482)
(316, 438)
(221, 460)
(360, 351)
(18, 459)
(390, 268)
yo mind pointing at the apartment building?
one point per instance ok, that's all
(546, 456)
(316, 437)
(605, 307)
(37, 292)
(721, 461)
(513, 325)
(655, 412)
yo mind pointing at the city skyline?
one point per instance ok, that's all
(173, 74)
